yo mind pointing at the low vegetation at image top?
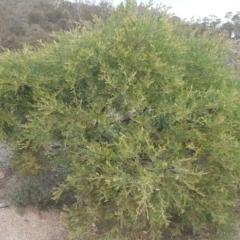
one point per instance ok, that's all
(145, 117)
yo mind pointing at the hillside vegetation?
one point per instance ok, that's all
(28, 21)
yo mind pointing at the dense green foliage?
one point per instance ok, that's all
(142, 114)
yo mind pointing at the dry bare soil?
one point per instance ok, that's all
(30, 225)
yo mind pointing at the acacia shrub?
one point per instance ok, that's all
(145, 116)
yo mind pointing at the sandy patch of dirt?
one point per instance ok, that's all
(31, 224)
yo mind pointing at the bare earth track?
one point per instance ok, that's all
(32, 225)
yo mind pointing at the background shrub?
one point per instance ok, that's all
(146, 117)
(34, 190)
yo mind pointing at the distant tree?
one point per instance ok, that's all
(228, 15)
(175, 19)
(35, 17)
(236, 21)
(214, 22)
(229, 28)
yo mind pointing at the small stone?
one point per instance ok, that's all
(2, 174)
(3, 204)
